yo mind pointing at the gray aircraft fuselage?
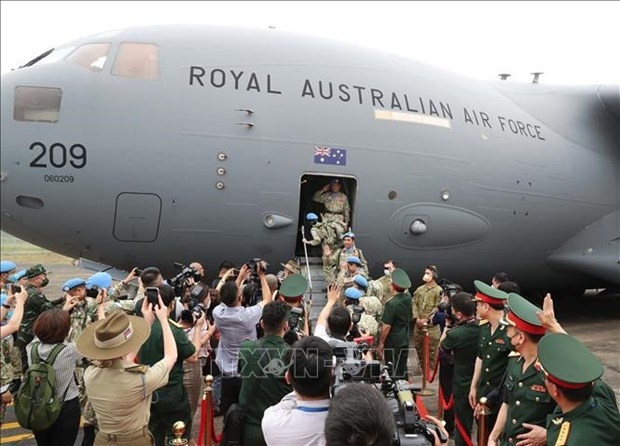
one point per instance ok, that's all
(181, 143)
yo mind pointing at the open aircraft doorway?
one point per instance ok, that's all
(309, 185)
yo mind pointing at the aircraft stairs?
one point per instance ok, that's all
(317, 293)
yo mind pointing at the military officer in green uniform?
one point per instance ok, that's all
(336, 202)
(526, 399)
(587, 412)
(425, 300)
(493, 347)
(170, 403)
(263, 363)
(461, 342)
(394, 338)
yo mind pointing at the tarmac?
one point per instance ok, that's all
(593, 319)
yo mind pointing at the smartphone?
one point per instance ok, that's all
(16, 289)
(152, 296)
(138, 271)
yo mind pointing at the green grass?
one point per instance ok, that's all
(22, 252)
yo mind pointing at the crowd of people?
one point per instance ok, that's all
(129, 358)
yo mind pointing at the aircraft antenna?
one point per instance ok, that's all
(504, 76)
(536, 75)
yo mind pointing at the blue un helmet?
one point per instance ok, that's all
(311, 216)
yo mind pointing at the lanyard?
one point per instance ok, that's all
(312, 409)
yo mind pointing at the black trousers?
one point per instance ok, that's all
(231, 388)
(65, 430)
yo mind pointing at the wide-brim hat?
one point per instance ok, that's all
(292, 266)
(522, 315)
(567, 362)
(113, 337)
(488, 294)
(401, 279)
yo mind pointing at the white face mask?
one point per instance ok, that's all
(386, 272)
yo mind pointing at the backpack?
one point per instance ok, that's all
(37, 404)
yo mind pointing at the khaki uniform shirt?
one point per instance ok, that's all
(121, 394)
(425, 300)
(336, 205)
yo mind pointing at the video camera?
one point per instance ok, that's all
(180, 280)
(409, 428)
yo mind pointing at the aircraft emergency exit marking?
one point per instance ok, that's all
(361, 95)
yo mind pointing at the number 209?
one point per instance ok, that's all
(58, 155)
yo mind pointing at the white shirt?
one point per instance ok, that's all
(236, 324)
(295, 422)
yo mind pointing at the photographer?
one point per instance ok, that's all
(299, 419)
(292, 292)
(236, 324)
(461, 341)
(335, 319)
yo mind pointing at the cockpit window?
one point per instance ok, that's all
(137, 60)
(38, 104)
(91, 56)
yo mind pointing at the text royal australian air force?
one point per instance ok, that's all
(400, 105)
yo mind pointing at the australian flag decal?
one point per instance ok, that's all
(330, 155)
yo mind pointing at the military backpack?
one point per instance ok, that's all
(38, 404)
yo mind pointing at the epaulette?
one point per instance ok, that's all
(563, 436)
(174, 323)
(513, 354)
(137, 369)
(483, 321)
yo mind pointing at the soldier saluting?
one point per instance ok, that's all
(336, 202)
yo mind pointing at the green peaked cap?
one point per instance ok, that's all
(488, 291)
(294, 286)
(568, 360)
(401, 279)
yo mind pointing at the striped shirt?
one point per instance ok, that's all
(64, 365)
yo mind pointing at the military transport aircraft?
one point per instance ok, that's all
(169, 143)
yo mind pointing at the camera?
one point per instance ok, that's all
(356, 315)
(290, 337)
(16, 289)
(257, 265)
(409, 428)
(93, 292)
(180, 280)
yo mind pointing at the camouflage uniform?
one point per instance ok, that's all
(341, 255)
(82, 315)
(6, 370)
(327, 233)
(382, 288)
(121, 289)
(370, 318)
(36, 304)
(425, 300)
(336, 205)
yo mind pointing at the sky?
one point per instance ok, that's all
(571, 42)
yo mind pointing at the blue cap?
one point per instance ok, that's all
(18, 275)
(311, 216)
(72, 283)
(353, 259)
(353, 293)
(361, 281)
(6, 266)
(348, 234)
(101, 280)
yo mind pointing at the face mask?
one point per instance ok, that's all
(511, 345)
(386, 272)
(426, 278)
(45, 282)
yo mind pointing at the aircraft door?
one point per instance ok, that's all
(137, 217)
(309, 185)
